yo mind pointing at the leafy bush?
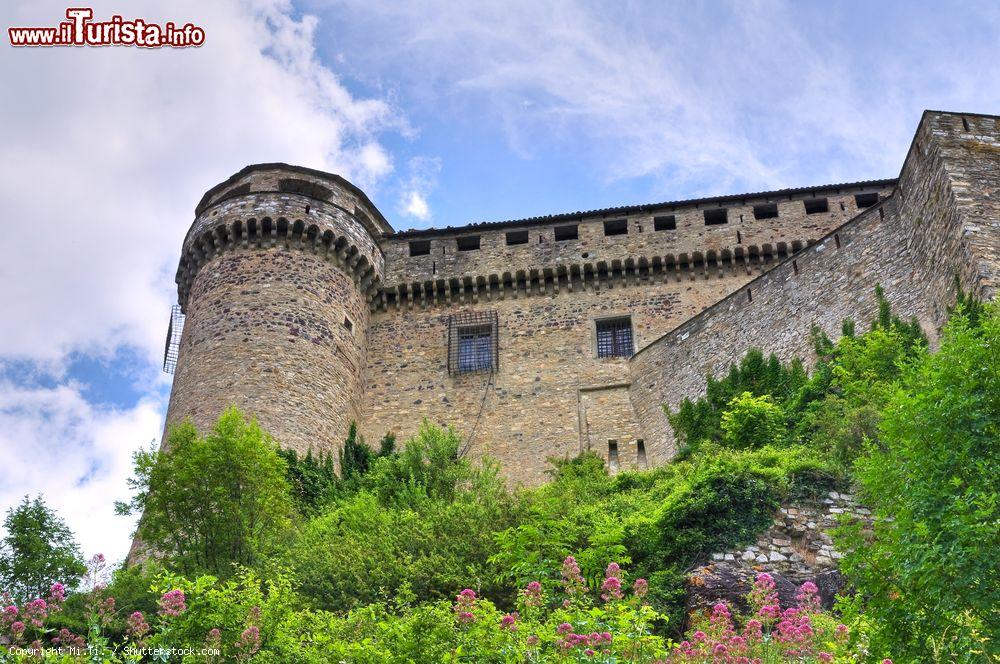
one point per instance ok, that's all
(210, 502)
(929, 575)
(751, 422)
(421, 522)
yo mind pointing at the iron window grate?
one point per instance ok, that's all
(473, 342)
(614, 337)
(174, 330)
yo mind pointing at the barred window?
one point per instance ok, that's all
(614, 337)
(472, 342)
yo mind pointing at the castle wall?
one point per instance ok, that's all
(913, 245)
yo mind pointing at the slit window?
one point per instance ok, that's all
(765, 211)
(865, 200)
(517, 237)
(614, 337)
(468, 243)
(665, 223)
(816, 205)
(616, 227)
(640, 452)
(348, 325)
(613, 455)
(420, 247)
(472, 342)
(564, 233)
(716, 217)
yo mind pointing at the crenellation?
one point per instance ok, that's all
(306, 309)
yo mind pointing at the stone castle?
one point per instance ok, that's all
(547, 336)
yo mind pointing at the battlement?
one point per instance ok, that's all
(542, 254)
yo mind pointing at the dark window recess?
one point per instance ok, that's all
(836, 240)
(236, 191)
(517, 237)
(665, 223)
(472, 342)
(716, 217)
(815, 205)
(468, 243)
(765, 211)
(420, 247)
(304, 187)
(866, 200)
(640, 451)
(616, 227)
(613, 454)
(348, 324)
(567, 233)
(614, 337)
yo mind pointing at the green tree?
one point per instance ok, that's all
(38, 550)
(752, 422)
(929, 573)
(355, 456)
(313, 479)
(209, 502)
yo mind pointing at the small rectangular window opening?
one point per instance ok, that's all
(816, 205)
(795, 267)
(348, 324)
(749, 296)
(475, 348)
(468, 243)
(517, 237)
(640, 451)
(716, 217)
(613, 455)
(765, 211)
(836, 240)
(866, 200)
(965, 123)
(564, 233)
(616, 227)
(739, 238)
(614, 337)
(665, 223)
(420, 247)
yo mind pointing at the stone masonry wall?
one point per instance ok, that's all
(912, 244)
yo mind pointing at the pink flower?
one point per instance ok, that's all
(57, 593)
(886, 661)
(611, 589)
(465, 603)
(17, 627)
(533, 640)
(172, 603)
(249, 642)
(613, 570)
(137, 625)
(699, 636)
(533, 594)
(509, 622)
(564, 628)
(824, 657)
(573, 581)
(214, 638)
(640, 588)
(719, 649)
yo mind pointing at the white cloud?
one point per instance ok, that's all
(421, 179)
(416, 206)
(53, 442)
(105, 153)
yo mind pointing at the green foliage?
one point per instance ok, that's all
(700, 420)
(312, 480)
(209, 502)
(929, 574)
(37, 551)
(751, 422)
(355, 456)
(421, 521)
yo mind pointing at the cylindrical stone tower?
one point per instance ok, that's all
(275, 280)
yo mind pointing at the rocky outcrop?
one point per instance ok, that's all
(798, 547)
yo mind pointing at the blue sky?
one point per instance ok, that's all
(445, 113)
